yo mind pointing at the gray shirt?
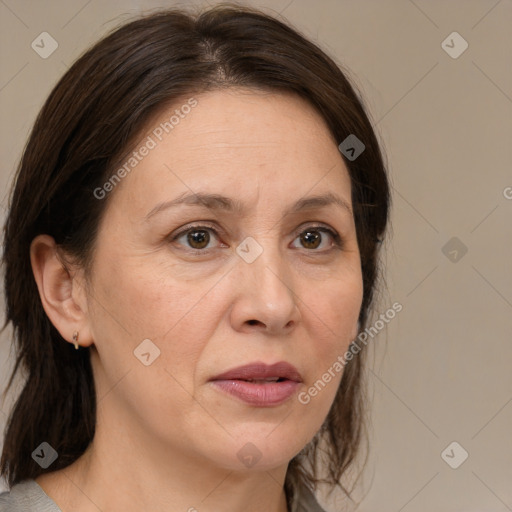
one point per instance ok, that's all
(28, 496)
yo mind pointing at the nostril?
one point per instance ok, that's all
(253, 322)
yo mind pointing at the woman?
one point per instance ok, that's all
(191, 247)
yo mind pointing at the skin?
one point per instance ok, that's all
(165, 435)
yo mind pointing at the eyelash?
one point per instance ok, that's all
(338, 241)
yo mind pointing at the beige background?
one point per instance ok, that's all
(442, 369)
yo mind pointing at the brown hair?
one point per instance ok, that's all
(88, 122)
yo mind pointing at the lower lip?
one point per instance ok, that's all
(262, 395)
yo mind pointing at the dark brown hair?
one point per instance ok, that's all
(91, 118)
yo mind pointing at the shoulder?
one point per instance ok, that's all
(27, 496)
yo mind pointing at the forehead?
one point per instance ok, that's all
(234, 142)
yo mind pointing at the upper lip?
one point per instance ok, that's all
(258, 371)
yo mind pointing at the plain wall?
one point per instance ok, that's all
(441, 371)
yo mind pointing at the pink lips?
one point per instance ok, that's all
(260, 384)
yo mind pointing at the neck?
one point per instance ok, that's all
(146, 476)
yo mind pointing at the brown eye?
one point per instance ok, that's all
(311, 239)
(198, 238)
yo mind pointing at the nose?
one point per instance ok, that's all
(264, 296)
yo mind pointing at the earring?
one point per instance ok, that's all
(75, 339)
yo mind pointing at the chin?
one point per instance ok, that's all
(258, 448)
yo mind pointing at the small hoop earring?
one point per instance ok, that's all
(75, 339)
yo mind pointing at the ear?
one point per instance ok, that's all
(62, 291)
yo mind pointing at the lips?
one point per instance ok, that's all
(259, 384)
(262, 371)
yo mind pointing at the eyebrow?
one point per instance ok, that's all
(224, 203)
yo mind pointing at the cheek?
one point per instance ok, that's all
(144, 305)
(333, 319)
(336, 305)
(145, 302)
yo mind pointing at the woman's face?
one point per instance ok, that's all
(215, 289)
